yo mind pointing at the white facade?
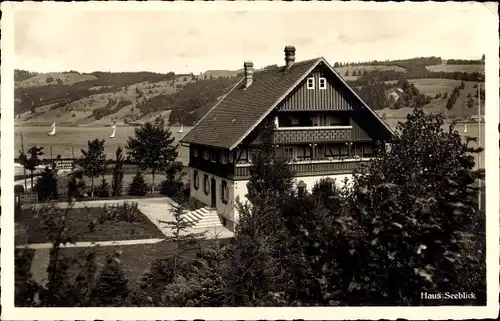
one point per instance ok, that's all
(239, 189)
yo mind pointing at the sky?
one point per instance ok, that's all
(195, 41)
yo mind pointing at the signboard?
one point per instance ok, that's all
(64, 164)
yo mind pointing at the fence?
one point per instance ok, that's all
(27, 198)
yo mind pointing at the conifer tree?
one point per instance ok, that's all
(112, 285)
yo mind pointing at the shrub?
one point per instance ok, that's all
(126, 212)
(170, 188)
(138, 186)
(103, 190)
(46, 185)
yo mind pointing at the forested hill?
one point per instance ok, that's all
(98, 98)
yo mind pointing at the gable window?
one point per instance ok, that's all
(310, 83)
(196, 180)
(231, 157)
(223, 158)
(196, 153)
(224, 192)
(206, 184)
(322, 83)
(213, 157)
(205, 154)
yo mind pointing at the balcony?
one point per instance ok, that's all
(284, 135)
(312, 167)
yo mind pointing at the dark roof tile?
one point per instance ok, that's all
(242, 108)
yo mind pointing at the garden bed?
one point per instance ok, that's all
(78, 224)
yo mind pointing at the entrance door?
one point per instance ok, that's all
(213, 192)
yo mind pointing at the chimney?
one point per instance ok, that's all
(289, 56)
(248, 66)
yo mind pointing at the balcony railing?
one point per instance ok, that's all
(312, 134)
(312, 167)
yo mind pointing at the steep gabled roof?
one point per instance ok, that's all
(241, 108)
(235, 116)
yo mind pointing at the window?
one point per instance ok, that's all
(305, 153)
(288, 152)
(367, 150)
(196, 180)
(310, 83)
(206, 184)
(322, 83)
(213, 157)
(242, 155)
(224, 192)
(196, 153)
(205, 154)
(231, 157)
(223, 158)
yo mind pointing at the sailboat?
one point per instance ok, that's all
(52, 130)
(182, 128)
(114, 132)
(465, 128)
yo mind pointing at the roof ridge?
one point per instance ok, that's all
(263, 70)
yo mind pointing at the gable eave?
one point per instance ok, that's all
(276, 103)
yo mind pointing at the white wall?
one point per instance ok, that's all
(224, 209)
(311, 180)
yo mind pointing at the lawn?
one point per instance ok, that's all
(457, 68)
(136, 259)
(78, 225)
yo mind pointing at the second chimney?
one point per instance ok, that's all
(248, 67)
(289, 56)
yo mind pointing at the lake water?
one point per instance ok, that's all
(68, 139)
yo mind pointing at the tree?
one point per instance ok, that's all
(346, 73)
(93, 161)
(152, 147)
(257, 268)
(31, 160)
(417, 209)
(118, 173)
(172, 267)
(103, 188)
(138, 186)
(112, 285)
(270, 175)
(46, 185)
(470, 102)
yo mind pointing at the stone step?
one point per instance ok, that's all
(205, 217)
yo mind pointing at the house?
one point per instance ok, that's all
(321, 124)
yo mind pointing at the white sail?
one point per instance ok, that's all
(52, 130)
(182, 129)
(114, 132)
(465, 128)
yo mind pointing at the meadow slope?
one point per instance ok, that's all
(101, 98)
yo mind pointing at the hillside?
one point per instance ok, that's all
(100, 98)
